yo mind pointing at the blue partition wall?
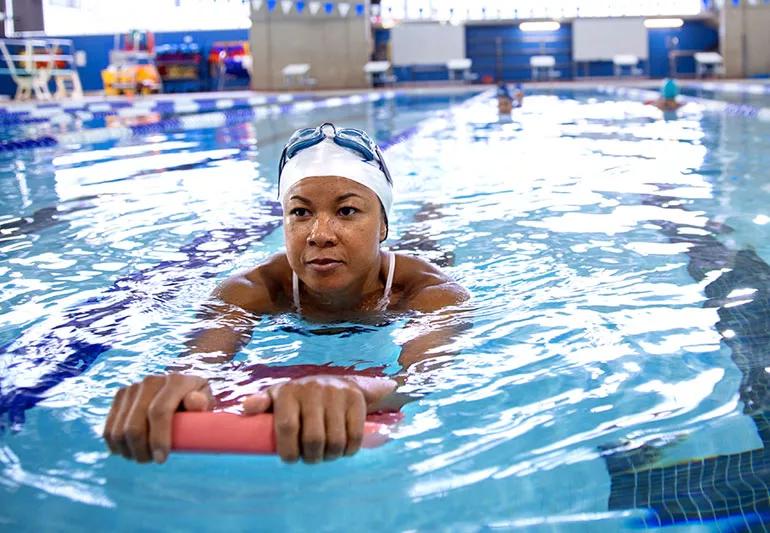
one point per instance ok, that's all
(695, 35)
(503, 51)
(517, 47)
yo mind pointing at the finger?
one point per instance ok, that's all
(374, 389)
(161, 411)
(336, 433)
(257, 404)
(313, 426)
(119, 427)
(198, 401)
(137, 423)
(109, 425)
(355, 417)
(286, 419)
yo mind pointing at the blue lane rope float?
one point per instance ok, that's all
(232, 115)
(728, 108)
(40, 142)
(49, 112)
(731, 87)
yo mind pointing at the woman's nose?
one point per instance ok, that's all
(322, 233)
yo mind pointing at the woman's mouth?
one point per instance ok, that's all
(324, 264)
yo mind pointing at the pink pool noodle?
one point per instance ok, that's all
(218, 432)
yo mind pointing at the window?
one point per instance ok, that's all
(83, 17)
(525, 9)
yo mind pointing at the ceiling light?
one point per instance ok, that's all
(548, 25)
(663, 23)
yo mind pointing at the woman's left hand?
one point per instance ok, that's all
(319, 418)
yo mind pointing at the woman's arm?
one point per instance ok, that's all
(228, 320)
(440, 324)
(442, 320)
(139, 423)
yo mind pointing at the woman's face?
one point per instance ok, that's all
(333, 228)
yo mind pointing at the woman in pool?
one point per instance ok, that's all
(336, 194)
(669, 91)
(506, 101)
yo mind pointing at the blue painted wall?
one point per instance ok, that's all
(97, 48)
(694, 35)
(381, 36)
(516, 47)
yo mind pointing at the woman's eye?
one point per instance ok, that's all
(299, 212)
(348, 211)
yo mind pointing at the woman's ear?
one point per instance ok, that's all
(383, 226)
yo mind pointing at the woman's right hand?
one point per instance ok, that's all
(321, 417)
(139, 424)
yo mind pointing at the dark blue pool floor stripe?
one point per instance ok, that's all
(116, 300)
(15, 401)
(733, 489)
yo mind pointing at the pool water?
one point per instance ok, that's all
(614, 376)
(741, 98)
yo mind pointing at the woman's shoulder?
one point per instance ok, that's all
(260, 289)
(426, 287)
(415, 272)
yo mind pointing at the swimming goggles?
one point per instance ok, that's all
(351, 138)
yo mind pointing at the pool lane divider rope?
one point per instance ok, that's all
(197, 121)
(61, 112)
(730, 87)
(744, 110)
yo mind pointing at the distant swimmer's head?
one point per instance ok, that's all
(503, 91)
(669, 90)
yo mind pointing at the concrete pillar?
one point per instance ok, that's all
(745, 39)
(336, 47)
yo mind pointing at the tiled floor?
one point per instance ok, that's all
(731, 486)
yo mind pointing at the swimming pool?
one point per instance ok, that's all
(614, 376)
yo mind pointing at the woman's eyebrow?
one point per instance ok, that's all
(348, 195)
(300, 198)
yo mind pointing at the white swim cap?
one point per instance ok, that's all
(329, 159)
